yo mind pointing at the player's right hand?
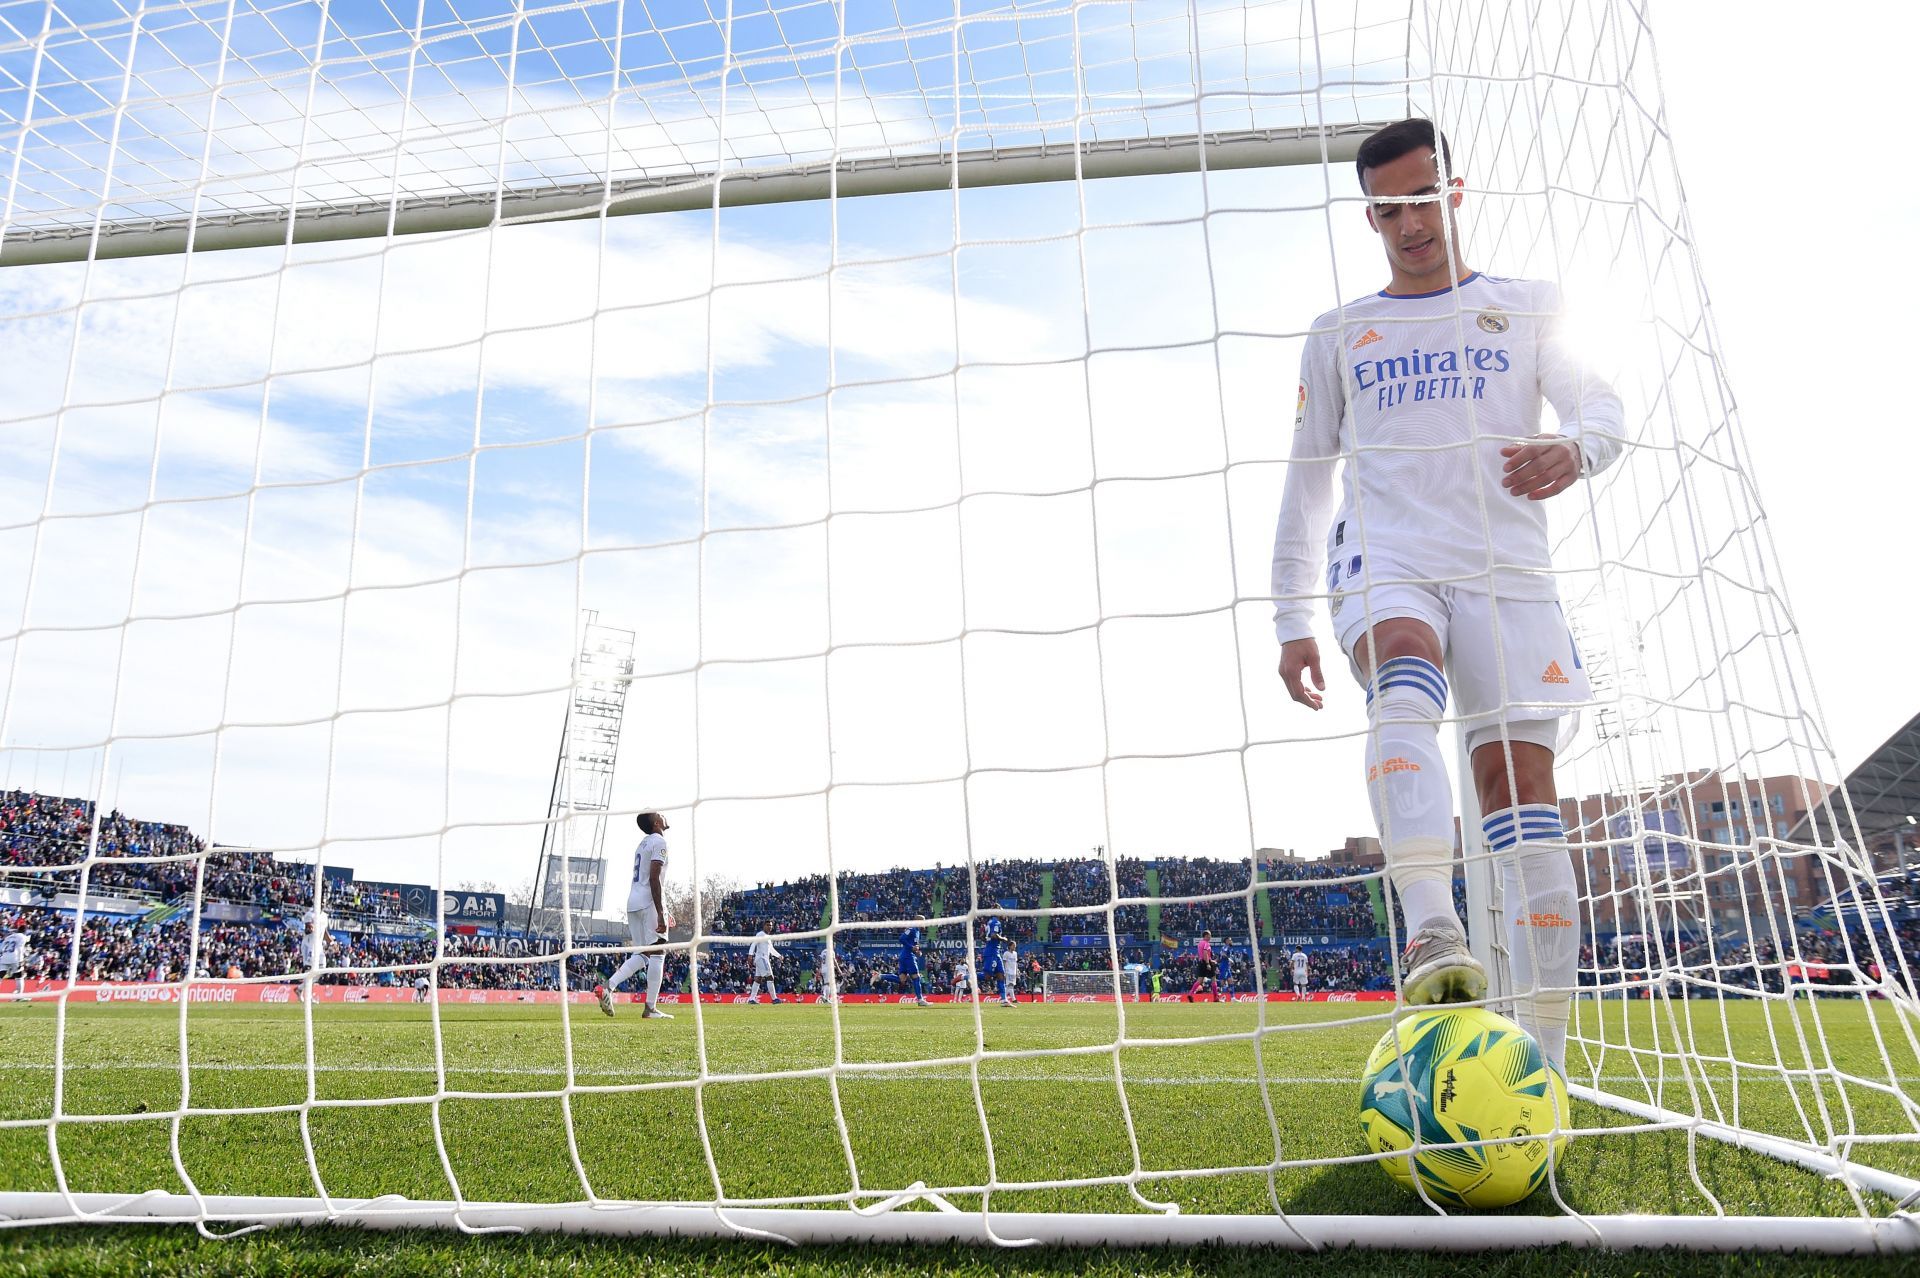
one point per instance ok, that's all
(1298, 659)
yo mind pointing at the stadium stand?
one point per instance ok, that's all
(142, 876)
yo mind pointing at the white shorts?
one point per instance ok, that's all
(762, 970)
(642, 925)
(1526, 674)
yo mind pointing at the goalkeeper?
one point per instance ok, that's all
(1436, 568)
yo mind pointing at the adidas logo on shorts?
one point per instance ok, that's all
(1554, 674)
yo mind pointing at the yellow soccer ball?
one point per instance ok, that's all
(1467, 1078)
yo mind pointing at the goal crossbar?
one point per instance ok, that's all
(1849, 1235)
(681, 192)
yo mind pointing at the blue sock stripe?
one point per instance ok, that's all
(1528, 810)
(1526, 832)
(1529, 822)
(1409, 672)
(1412, 667)
(1501, 822)
(1439, 699)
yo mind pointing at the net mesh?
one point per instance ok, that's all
(1087, 985)
(942, 523)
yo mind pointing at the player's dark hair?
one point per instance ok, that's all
(649, 822)
(1394, 141)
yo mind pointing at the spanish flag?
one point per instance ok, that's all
(1169, 942)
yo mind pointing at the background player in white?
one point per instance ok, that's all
(647, 921)
(13, 959)
(823, 972)
(1431, 391)
(962, 980)
(422, 988)
(312, 928)
(763, 956)
(1299, 973)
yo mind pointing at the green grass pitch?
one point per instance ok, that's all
(1193, 1105)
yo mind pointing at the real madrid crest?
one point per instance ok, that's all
(1492, 321)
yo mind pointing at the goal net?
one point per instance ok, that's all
(914, 384)
(1089, 987)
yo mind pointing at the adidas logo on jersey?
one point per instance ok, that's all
(1554, 674)
(1368, 338)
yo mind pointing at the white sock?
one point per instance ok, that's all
(625, 971)
(1543, 919)
(1406, 776)
(1425, 898)
(656, 968)
(1408, 787)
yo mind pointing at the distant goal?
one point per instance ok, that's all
(1089, 987)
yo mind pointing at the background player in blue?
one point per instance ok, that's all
(993, 961)
(1223, 975)
(910, 964)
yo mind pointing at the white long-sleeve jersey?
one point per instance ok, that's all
(762, 949)
(1417, 394)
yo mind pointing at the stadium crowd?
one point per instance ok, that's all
(42, 839)
(41, 830)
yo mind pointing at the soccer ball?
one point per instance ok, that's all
(1464, 1075)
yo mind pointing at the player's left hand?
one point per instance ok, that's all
(1545, 466)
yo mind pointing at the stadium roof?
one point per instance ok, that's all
(1885, 789)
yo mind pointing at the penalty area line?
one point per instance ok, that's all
(853, 1074)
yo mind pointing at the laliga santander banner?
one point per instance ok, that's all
(218, 992)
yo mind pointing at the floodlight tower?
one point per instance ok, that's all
(572, 842)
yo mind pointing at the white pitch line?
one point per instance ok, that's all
(852, 1074)
(642, 1072)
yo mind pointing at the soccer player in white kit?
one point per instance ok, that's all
(312, 929)
(646, 918)
(13, 960)
(763, 956)
(1299, 973)
(313, 945)
(823, 972)
(1436, 566)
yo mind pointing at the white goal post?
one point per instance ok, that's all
(1089, 987)
(339, 385)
